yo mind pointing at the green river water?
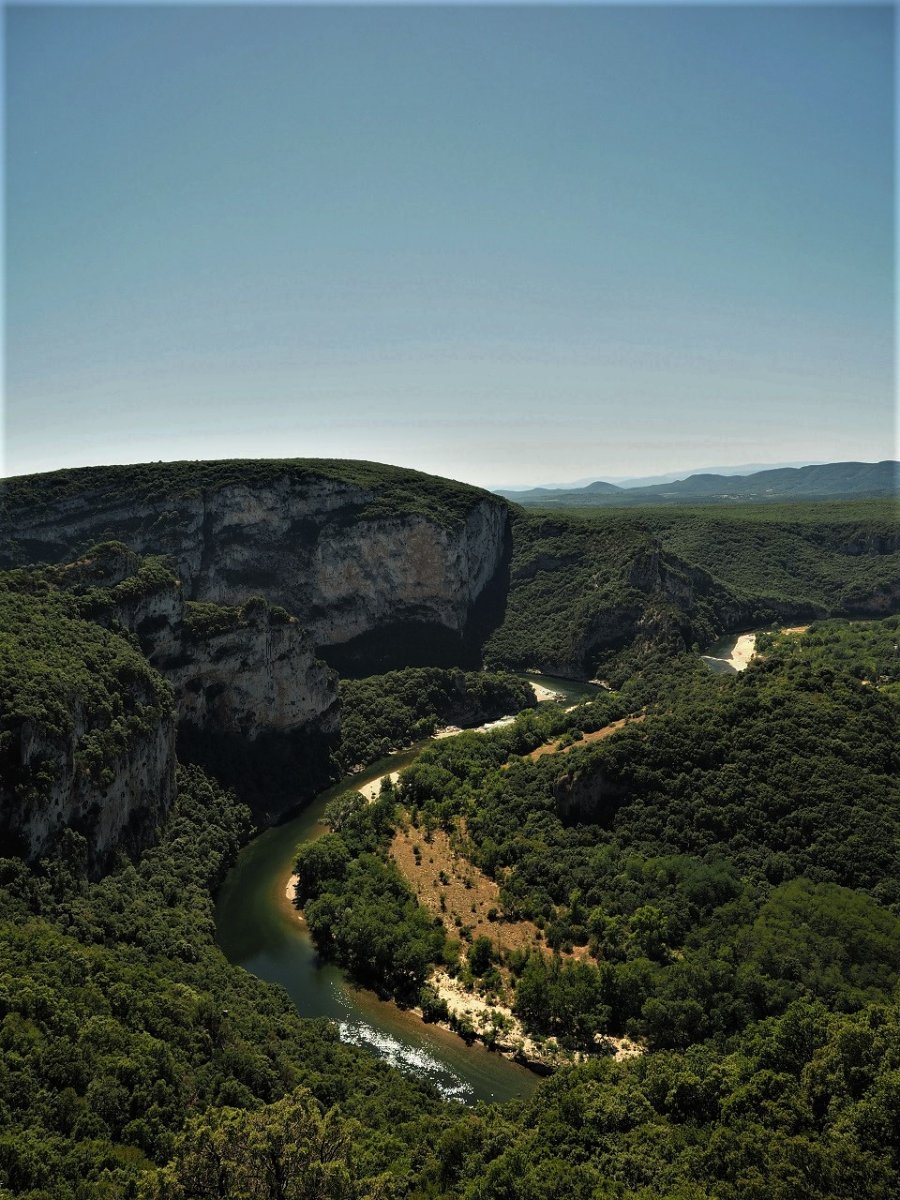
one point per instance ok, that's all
(259, 929)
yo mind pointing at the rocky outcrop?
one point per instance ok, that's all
(588, 797)
(344, 557)
(121, 806)
(241, 686)
(235, 670)
(665, 603)
(254, 704)
(404, 568)
(259, 673)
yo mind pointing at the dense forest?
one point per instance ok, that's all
(706, 865)
(720, 858)
(591, 588)
(121, 1019)
(136, 1061)
(718, 879)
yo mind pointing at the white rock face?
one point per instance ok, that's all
(400, 569)
(260, 676)
(307, 545)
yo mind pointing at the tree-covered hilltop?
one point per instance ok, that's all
(391, 490)
(588, 584)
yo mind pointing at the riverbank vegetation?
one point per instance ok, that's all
(698, 870)
(120, 1019)
(382, 713)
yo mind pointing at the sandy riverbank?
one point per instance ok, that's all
(738, 657)
(505, 1031)
(372, 789)
(744, 649)
(447, 731)
(495, 1024)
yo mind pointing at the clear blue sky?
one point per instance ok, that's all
(507, 245)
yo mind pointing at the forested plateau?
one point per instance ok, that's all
(703, 868)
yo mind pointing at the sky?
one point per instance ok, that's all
(503, 244)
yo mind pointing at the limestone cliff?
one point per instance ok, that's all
(254, 704)
(237, 670)
(102, 662)
(119, 807)
(258, 672)
(348, 548)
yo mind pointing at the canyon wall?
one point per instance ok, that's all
(233, 578)
(119, 806)
(345, 557)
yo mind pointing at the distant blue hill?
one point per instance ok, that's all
(825, 481)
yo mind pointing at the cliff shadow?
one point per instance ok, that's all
(274, 774)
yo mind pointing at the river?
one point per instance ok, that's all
(259, 929)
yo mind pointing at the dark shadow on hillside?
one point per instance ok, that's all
(274, 775)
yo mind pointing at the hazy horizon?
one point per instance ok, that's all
(502, 245)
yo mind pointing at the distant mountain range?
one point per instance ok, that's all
(633, 481)
(824, 481)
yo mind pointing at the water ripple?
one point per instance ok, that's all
(415, 1060)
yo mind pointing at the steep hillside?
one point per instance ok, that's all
(87, 731)
(251, 700)
(586, 585)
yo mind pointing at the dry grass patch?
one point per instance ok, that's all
(438, 872)
(597, 736)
